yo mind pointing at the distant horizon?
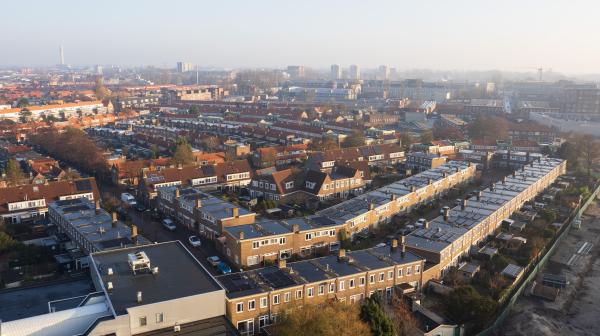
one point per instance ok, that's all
(462, 35)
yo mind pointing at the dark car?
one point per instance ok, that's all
(140, 207)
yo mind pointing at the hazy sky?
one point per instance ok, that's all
(444, 34)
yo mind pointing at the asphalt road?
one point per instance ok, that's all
(153, 230)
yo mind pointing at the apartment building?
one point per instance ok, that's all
(136, 291)
(200, 212)
(255, 298)
(90, 227)
(445, 239)
(250, 244)
(420, 161)
(30, 202)
(66, 110)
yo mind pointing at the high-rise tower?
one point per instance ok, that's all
(61, 55)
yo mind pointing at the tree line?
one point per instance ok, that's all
(74, 147)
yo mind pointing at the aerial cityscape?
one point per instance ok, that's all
(315, 168)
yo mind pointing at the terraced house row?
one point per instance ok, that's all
(448, 237)
(255, 298)
(248, 241)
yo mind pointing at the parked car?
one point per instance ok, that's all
(421, 222)
(214, 260)
(128, 199)
(223, 268)
(169, 224)
(195, 241)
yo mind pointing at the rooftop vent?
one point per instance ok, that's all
(110, 271)
(138, 261)
(155, 270)
(109, 286)
(139, 297)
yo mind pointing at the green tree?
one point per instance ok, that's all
(154, 151)
(194, 109)
(183, 153)
(14, 173)
(372, 313)
(427, 137)
(25, 115)
(465, 304)
(588, 150)
(6, 242)
(568, 151)
(23, 102)
(355, 139)
(329, 319)
(406, 140)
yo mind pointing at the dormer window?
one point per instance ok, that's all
(289, 185)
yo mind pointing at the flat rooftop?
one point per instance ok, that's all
(179, 275)
(27, 302)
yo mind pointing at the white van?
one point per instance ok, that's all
(128, 198)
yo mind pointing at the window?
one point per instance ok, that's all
(308, 236)
(289, 185)
(381, 276)
(239, 307)
(282, 241)
(310, 292)
(399, 273)
(287, 296)
(361, 281)
(298, 294)
(263, 302)
(143, 321)
(408, 270)
(251, 305)
(417, 269)
(276, 299)
(321, 290)
(160, 318)
(371, 278)
(341, 285)
(390, 275)
(255, 245)
(351, 283)
(332, 287)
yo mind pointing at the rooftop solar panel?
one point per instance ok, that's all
(277, 279)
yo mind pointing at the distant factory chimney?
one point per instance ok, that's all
(61, 55)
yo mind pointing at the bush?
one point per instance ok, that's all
(372, 313)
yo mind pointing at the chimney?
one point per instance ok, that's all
(504, 180)
(402, 245)
(393, 197)
(413, 188)
(429, 181)
(235, 212)
(97, 206)
(394, 245)
(177, 193)
(241, 235)
(426, 224)
(134, 234)
(281, 263)
(492, 187)
(446, 214)
(198, 203)
(445, 174)
(371, 206)
(139, 297)
(514, 173)
(341, 254)
(479, 193)
(463, 204)
(114, 219)
(295, 228)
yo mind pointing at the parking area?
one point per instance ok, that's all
(153, 230)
